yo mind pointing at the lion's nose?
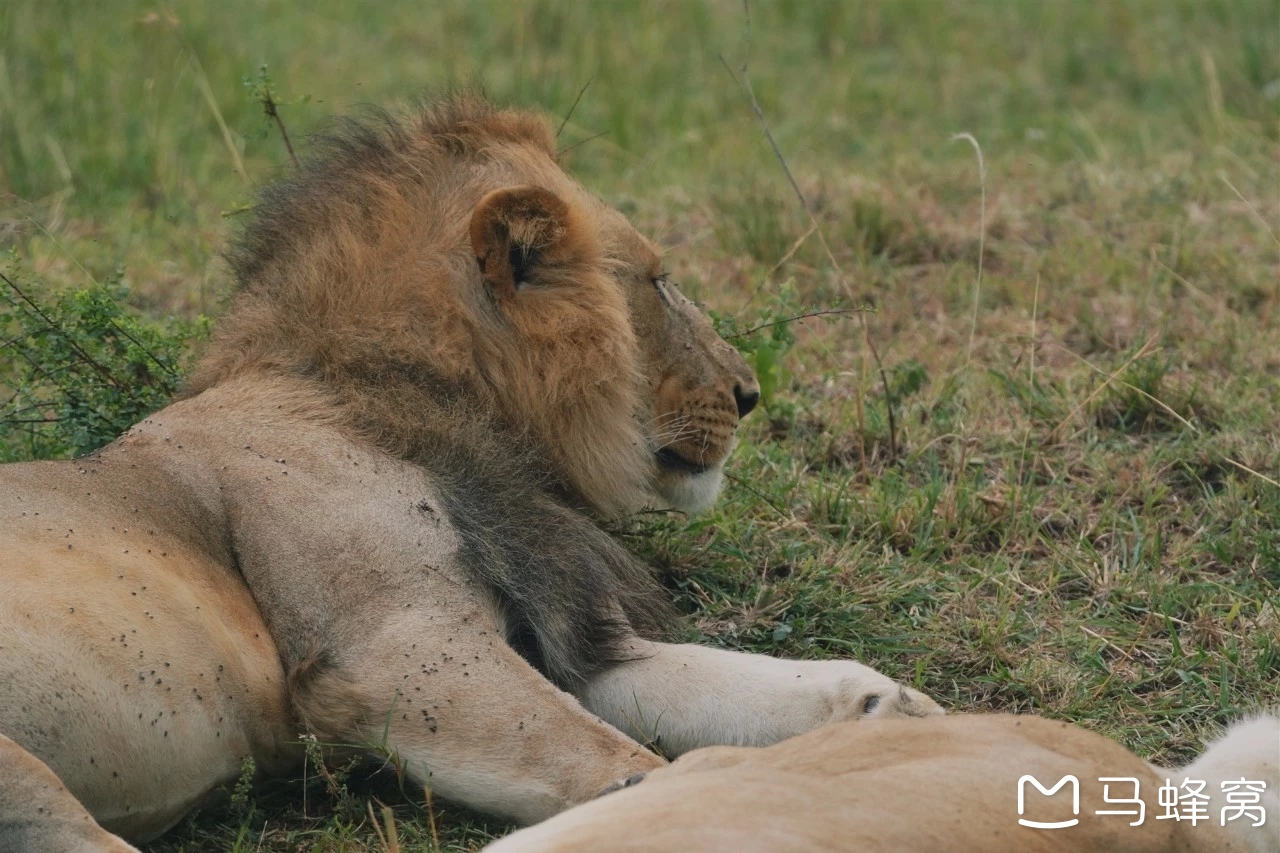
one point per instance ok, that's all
(746, 398)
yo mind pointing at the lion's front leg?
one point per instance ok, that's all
(458, 710)
(684, 696)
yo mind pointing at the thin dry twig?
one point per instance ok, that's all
(804, 316)
(761, 495)
(100, 368)
(53, 238)
(270, 107)
(148, 353)
(574, 107)
(745, 84)
(795, 247)
(581, 142)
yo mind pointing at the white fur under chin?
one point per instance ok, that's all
(692, 493)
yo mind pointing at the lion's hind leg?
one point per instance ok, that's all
(37, 812)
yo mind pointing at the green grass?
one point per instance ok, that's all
(1081, 519)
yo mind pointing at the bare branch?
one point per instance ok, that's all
(75, 347)
(733, 478)
(745, 83)
(269, 106)
(147, 352)
(804, 316)
(564, 151)
(573, 108)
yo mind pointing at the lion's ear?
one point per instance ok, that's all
(518, 232)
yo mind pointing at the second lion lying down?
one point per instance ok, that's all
(370, 517)
(955, 784)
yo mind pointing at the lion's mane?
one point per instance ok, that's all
(355, 278)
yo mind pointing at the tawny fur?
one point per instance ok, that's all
(352, 273)
(944, 785)
(372, 515)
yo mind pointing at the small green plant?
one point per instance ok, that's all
(242, 804)
(765, 342)
(77, 368)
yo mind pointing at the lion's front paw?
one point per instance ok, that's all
(892, 701)
(864, 694)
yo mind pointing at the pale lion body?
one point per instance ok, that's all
(370, 518)
(942, 785)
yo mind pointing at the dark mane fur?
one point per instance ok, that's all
(344, 158)
(336, 267)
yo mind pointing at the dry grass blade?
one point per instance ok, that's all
(1163, 406)
(788, 255)
(1031, 353)
(206, 92)
(393, 835)
(1243, 467)
(1127, 654)
(735, 479)
(390, 839)
(982, 238)
(431, 818)
(1261, 219)
(1275, 294)
(1144, 350)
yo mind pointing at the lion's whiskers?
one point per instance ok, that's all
(671, 432)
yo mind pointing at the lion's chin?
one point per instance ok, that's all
(691, 493)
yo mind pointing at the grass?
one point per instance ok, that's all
(1082, 517)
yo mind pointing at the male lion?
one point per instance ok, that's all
(369, 517)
